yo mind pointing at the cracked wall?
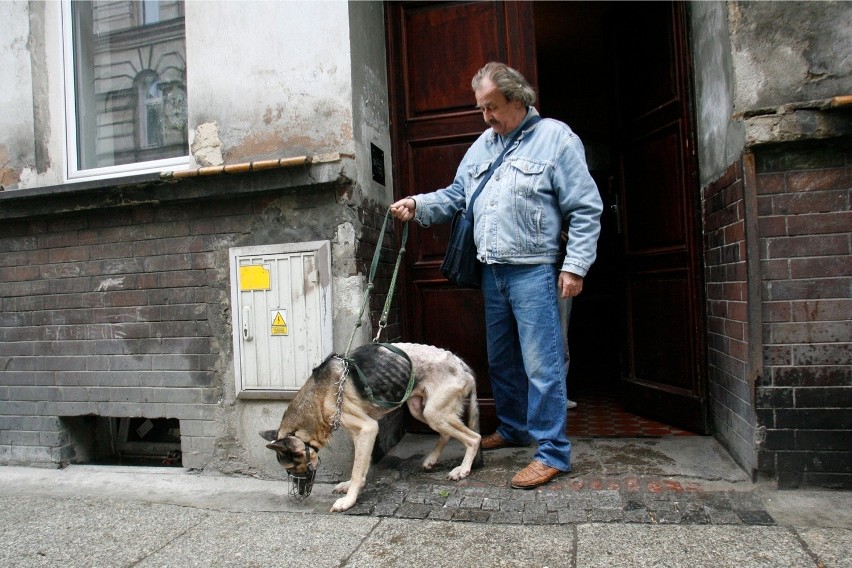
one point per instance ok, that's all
(285, 91)
(787, 52)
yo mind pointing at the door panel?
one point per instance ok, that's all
(653, 172)
(434, 49)
(664, 377)
(444, 45)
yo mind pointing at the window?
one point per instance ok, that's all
(125, 75)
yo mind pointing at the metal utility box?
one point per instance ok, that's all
(281, 316)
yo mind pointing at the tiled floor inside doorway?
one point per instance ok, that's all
(601, 415)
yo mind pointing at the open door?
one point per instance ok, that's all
(618, 74)
(664, 375)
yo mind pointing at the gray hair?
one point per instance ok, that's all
(508, 81)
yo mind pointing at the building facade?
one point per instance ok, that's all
(192, 194)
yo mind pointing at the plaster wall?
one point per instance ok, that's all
(370, 96)
(787, 52)
(720, 139)
(284, 89)
(16, 120)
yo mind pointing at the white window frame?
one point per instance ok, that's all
(73, 172)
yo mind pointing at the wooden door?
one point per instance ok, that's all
(434, 49)
(662, 263)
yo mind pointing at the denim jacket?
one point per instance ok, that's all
(542, 184)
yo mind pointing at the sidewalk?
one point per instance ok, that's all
(648, 502)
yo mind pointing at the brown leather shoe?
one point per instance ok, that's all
(535, 474)
(495, 441)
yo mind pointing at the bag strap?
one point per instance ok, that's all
(496, 163)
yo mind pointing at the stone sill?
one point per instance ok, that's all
(796, 122)
(153, 189)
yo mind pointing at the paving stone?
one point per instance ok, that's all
(442, 514)
(471, 515)
(534, 518)
(636, 516)
(567, 516)
(413, 511)
(471, 503)
(606, 515)
(722, 517)
(385, 509)
(756, 518)
(506, 517)
(512, 506)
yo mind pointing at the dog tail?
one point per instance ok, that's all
(473, 424)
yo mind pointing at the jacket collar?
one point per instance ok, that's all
(494, 137)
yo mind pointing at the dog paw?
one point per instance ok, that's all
(459, 473)
(342, 504)
(428, 465)
(341, 487)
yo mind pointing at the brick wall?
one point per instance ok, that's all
(804, 398)
(124, 312)
(730, 390)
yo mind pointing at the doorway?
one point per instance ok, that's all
(617, 73)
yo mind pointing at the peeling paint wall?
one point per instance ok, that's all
(16, 118)
(787, 52)
(284, 89)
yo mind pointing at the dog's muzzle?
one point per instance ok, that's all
(301, 484)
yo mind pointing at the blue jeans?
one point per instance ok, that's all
(526, 358)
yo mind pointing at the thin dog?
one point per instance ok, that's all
(442, 384)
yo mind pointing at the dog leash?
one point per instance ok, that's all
(383, 320)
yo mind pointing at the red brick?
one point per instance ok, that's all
(773, 226)
(735, 329)
(776, 311)
(775, 269)
(738, 311)
(819, 180)
(68, 254)
(817, 267)
(771, 183)
(823, 245)
(734, 233)
(819, 223)
(799, 203)
(803, 289)
(821, 310)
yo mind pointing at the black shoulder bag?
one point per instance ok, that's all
(460, 265)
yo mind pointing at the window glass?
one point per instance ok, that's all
(129, 82)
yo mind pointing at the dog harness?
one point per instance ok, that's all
(364, 384)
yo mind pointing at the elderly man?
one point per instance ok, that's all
(542, 183)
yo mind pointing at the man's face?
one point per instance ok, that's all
(501, 115)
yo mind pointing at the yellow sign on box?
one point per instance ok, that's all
(279, 322)
(255, 277)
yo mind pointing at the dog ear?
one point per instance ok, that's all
(269, 435)
(278, 445)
